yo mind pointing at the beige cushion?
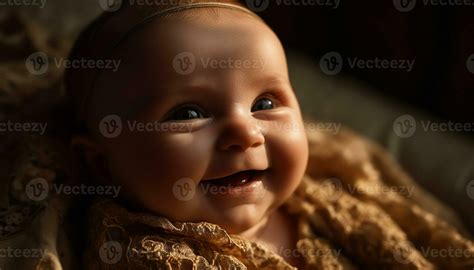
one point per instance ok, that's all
(443, 163)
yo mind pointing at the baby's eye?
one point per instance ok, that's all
(263, 104)
(186, 113)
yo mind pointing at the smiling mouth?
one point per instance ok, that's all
(237, 179)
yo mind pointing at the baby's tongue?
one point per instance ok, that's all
(236, 179)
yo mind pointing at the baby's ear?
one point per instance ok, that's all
(91, 159)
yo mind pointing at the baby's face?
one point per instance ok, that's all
(218, 118)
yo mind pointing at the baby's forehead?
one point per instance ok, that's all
(203, 32)
(157, 48)
(184, 52)
(202, 36)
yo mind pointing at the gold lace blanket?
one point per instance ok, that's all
(355, 208)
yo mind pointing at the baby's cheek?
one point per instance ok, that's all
(154, 166)
(287, 148)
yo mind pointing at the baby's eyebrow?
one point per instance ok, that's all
(258, 84)
(185, 90)
(275, 80)
(153, 95)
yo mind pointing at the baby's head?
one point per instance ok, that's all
(211, 86)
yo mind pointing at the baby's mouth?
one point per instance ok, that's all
(237, 179)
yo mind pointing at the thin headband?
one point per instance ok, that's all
(118, 27)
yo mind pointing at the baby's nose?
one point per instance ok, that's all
(240, 132)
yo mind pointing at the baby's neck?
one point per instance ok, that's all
(255, 233)
(277, 232)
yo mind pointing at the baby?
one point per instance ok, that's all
(213, 81)
(201, 129)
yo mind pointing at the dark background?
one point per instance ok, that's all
(439, 38)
